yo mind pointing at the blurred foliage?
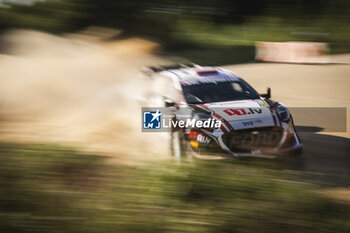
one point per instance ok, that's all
(200, 30)
(48, 188)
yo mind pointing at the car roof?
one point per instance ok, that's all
(197, 75)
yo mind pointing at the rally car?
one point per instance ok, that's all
(251, 123)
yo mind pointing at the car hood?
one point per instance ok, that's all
(243, 114)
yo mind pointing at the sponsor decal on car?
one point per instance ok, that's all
(262, 103)
(248, 123)
(242, 111)
(203, 139)
(202, 80)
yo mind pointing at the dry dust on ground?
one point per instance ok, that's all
(83, 90)
(326, 154)
(78, 90)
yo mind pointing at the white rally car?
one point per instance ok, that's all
(251, 123)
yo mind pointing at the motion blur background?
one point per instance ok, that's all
(72, 155)
(210, 32)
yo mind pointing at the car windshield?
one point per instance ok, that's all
(218, 92)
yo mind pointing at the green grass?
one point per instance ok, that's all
(50, 188)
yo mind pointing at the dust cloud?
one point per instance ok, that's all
(81, 90)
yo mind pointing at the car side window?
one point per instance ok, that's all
(237, 87)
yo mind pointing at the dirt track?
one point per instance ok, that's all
(82, 91)
(326, 154)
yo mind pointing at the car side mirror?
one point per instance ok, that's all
(169, 104)
(268, 94)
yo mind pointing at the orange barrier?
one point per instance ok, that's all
(292, 52)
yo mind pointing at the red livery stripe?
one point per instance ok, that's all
(226, 123)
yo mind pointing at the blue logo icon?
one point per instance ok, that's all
(151, 119)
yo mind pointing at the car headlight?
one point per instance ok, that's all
(283, 112)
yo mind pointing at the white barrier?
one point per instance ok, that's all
(292, 52)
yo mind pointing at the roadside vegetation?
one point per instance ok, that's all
(50, 188)
(211, 32)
